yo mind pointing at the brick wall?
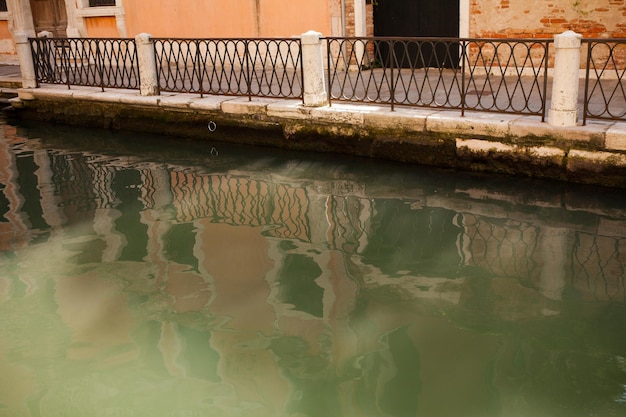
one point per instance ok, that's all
(349, 8)
(544, 19)
(530, 18)
(369, 19)
(369, 26)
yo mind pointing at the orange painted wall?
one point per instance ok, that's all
(4, 30)
(282, 18)
(226, 18)
(7, 46)
(101, 27)
(191, 18)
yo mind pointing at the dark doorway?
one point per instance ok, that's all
(418, 18)
(50, 15)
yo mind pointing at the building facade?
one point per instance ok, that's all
(284, 18)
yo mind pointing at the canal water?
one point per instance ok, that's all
(151, 276)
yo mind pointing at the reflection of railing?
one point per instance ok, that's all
(348, 223)
(599, 267)
(242, 67)
(74, 182)
(605, 89)
(502, 247)
(241, 201)
(433, 242)
(503, 75)
(499, 247)
(514, 249)
(110, 63)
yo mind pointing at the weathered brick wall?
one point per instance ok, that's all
(369, 27)
(369, 19)
(532, 19)
(349, 8)
(523, 18)
(536, 19)
(544, 19)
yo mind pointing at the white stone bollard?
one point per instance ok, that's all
(27, 65)
(315, 94)
(564, 104)
(147, 65)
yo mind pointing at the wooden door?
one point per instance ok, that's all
(50, 15)
(420, 18)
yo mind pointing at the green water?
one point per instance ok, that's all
(147, 276)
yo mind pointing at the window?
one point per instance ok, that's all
(3, 6)
(98, 3)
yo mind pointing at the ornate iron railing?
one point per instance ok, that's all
(97, 62)
(500, 75)
(605, 89)
(242, 67)
(497, 75)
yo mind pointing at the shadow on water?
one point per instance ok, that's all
(146, 275)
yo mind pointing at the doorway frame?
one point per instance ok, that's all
(464, 18)
(360, 18)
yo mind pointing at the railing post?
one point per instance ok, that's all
(199, 64)
(25, 55)
(315, 94)
(586, 94)
(463, 45)
(565, 83)
(149, 85)
(328, 68)
(248, 73)
(392, 86)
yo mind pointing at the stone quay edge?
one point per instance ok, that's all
(480, 141)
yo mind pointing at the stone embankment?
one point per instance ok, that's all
(489, 142)
(560, 148)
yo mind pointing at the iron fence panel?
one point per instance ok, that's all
(503, 75)
(240, 67)
(97, 62)
(605, 92)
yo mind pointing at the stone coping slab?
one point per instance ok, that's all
(507, 139)
(485, 125)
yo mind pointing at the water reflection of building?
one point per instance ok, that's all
(247, 257)
(63, 189)
(14, 221)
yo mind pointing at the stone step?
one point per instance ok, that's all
(6, 94)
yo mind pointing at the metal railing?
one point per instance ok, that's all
(95, 62)
(497, 75)
(605, 92)
(241, 67)
(500, 75)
